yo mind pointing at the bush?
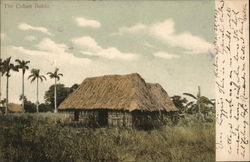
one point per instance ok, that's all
(45, 108)
(29, 107)
(48, 137)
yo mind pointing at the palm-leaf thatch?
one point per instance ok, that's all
(119, 92)
(15, 107)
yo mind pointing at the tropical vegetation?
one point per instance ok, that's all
(201, 106)
(35, 75)
(47, 136)
(22, 65)
(55, 75)
(5, 68)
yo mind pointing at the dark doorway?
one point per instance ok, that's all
(76, 114)
(103, 118)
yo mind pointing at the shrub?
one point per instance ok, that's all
(48, 137)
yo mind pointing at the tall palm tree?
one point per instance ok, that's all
(6, 68)
(201, 103)
(55, 75)
(35, 75)
(1, 69)
(23, 65)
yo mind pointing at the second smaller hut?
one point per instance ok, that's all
(12, 108)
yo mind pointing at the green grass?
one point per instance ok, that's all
(48, 137)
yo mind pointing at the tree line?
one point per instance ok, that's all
(7, 66)
(200, 105)
(48, 106)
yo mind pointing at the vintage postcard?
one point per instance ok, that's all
(124, 80)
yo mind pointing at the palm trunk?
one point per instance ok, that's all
(0, 87)
(23, 90)
(37, 103)
(7, 96)
(55, 97)
(200, 114)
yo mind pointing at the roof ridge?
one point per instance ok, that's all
(116, 76)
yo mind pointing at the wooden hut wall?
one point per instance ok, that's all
(114, 118)
(89, 117)
(147, 120)
(84, 116)
(70, 114)
(119, 119)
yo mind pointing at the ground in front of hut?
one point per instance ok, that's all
(48, 137)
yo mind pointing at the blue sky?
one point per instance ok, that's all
(165, 42)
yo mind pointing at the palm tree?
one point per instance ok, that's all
(1, 70)
(201, 103)
(55, 75)
(6, 68)
(23, 65)
(35, 75)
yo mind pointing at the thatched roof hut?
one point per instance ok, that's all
(119, 92)
(12, 107)
(118, 100)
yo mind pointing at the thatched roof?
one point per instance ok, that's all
(15, 107)
(118, 92)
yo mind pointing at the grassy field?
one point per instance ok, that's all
(48, 137)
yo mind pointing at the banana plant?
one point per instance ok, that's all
(201, 104)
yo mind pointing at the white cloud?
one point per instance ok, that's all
(133, 29)
(148, 45)
(165, 28)
(30, 52)
(83, 22)
(24, 26)
(48, 45)
(58, 51)
(3, 36)
(90, 47)
(30, 38)
(165, 31)
(45, 60)
(113, 53)
(165, 55)
(54, 53)
(87, 42)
